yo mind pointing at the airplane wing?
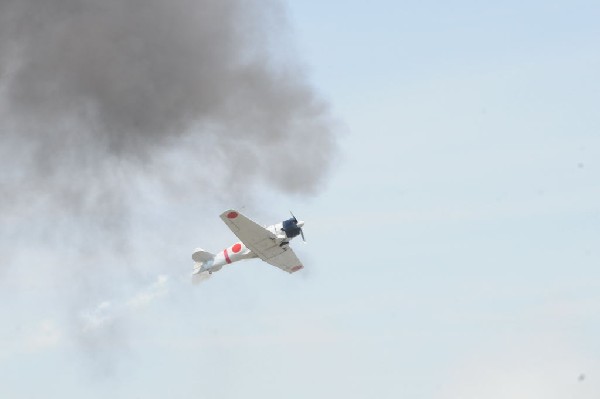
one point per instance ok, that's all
(261, 241)
(286, 260)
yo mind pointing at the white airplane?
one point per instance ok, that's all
(270, 244)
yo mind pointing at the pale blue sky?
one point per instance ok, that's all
(452, 254)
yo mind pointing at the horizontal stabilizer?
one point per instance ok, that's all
(202, 260)
(201, 255)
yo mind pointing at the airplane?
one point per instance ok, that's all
(271, 244)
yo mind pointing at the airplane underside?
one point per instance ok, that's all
(270, 244)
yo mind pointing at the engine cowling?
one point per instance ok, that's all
(290, 228)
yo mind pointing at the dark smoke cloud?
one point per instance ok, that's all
(98, 97)
(102, 99)
(86, 81)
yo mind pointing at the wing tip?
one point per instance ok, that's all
(230, 214)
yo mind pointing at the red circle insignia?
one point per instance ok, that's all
(236, 248)
(232, 215)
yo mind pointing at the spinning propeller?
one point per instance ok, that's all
(299, 224)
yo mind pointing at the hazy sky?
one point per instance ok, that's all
(451, 197)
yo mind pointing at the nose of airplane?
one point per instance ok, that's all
(300, 223)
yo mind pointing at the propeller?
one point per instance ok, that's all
(300, 226)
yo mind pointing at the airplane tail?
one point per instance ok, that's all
(202, 260)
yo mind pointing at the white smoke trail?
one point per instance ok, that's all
(107, 312)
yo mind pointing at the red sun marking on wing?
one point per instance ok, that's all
(296, 268)
(232, 215)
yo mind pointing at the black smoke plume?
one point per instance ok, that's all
(87, 85)
(103, 101)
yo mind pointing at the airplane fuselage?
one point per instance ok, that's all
(270, 243)
(234, 253)
(239, 251)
